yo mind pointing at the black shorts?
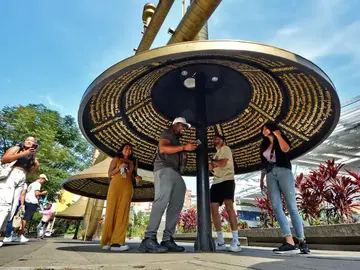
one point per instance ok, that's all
(30, 209)
(222, 191)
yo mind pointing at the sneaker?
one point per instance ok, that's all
(15, 239)
(172, 246)
(235, 246)
(23, 239)
(286, 248)
(1, 244)
(304, 249)
(106, 247)
(220, 245)
(8, 239)
(118, 247)
(152, 246)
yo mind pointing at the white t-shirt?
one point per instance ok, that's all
(30, 194)
(226, 173)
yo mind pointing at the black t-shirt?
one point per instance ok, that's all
(282, 159)
(163, 160)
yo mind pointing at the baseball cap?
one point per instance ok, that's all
(43, 176)
(182, 121)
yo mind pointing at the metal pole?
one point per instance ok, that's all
(77, 229)
(86, 238)
(204, 240)
(183, 8)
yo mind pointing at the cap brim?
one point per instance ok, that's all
(186, 124)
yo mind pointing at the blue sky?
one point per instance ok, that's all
(50, 51)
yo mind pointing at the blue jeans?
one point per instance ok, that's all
(281, 180)
(9, 227)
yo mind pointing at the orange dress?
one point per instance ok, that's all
(118, 207)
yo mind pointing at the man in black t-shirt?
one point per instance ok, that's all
(170, 188)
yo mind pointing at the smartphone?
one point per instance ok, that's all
(197, 142)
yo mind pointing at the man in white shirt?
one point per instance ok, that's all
(32, 202)
(223, 191)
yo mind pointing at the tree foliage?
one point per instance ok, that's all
(62, 149)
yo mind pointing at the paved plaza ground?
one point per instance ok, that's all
(59, 253)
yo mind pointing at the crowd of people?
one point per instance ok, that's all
(19, 201)
(170, 188)
(170, 191)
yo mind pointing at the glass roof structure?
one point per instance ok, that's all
(343, 145)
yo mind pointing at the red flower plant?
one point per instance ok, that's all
(265, 206)
(188, 220)
(325, 186)
(343, 195)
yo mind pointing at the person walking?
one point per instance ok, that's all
(23, 160)
(33, 193)
(44, 222)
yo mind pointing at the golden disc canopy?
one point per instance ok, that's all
(94, 183)
(247, 85)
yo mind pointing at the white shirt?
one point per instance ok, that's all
(226, 173)
(30, 194)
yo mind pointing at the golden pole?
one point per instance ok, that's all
(183, 8)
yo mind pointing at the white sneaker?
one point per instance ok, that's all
(23, 239)
(120, 248)
(7, 239)
(220, 245)
(15, 238)
(106, 247)
(1, 244)
(235, 246)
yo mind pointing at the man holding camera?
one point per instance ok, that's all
(223, 191)
(170, 188)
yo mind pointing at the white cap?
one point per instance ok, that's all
(43, 176)
(182, 121)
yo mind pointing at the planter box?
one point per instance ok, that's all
(341, 234)
(329, 237)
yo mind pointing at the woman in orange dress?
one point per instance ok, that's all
(122, 171)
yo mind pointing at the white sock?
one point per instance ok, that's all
(235, 235)
(220, 237)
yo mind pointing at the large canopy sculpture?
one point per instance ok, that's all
(229, 87)
(94, 183)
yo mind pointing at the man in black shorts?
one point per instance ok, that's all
(222, 191)
(32, 202)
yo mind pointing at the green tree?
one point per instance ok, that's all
(62, 148)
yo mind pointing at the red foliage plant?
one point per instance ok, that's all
(324, 185)
(265, 206)
(188, 220)
(323, 190)
(225, 216)
(344, 196)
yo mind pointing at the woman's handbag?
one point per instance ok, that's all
(5, 169)
(17, 221)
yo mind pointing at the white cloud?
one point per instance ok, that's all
(53, 103)
(321, 34)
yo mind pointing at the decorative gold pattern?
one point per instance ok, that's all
(284, 87)
(98, 187)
